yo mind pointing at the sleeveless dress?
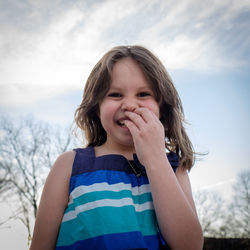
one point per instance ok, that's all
(109, 206)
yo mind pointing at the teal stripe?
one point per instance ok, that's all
(140, 199)
(106, 220)
(100, 195)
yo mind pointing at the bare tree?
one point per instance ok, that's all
(28, 148)
(238, 220)
(210, 209)
(221, 220)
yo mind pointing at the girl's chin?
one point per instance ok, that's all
(128, 142)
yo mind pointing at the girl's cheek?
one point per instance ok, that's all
(155, 108)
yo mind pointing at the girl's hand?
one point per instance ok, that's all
(148, 135)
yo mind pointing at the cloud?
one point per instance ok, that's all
(201, 36)
(59, 56)
(47, 48)
(218, 184)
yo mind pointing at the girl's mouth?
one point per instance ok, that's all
(121, 123)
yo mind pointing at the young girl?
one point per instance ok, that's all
(123, 191)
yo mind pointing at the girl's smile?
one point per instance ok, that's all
(129, 90)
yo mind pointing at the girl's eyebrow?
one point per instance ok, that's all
(139, 89)
(114, 89)
(145, 87)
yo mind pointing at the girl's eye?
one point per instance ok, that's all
(114, 95)
(143, 94)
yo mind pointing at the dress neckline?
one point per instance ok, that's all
(93, 153)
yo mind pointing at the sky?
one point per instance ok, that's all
(48, 48)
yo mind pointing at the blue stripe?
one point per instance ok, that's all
(109, 176)
(107, 220)
(132, 240)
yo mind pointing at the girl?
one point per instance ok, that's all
(122, 191)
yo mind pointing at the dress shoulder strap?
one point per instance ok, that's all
(84, 158)
(173, 160)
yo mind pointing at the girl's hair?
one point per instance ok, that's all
(171, 110)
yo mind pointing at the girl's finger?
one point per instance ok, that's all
(135, 118)
(132, 127)
(146, 114)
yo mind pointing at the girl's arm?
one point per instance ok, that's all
(172, 195)
(174, 206)
(53, 203)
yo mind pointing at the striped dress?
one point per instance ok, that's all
(109, 206)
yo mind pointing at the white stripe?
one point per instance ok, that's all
(80, 190)
(107, 202)
(145, 206)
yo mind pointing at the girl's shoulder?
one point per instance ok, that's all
(68, 162)
(67, 156)
(64, 163)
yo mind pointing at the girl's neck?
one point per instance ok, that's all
(106, 149)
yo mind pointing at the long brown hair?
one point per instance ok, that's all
(171, 110)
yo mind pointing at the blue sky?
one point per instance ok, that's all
(48, 48)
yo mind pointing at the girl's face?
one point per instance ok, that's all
(129, 89)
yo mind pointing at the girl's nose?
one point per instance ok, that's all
(129, 105)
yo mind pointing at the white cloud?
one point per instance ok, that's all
(200, 36)
(59, 54)
(58, 58)
(220, 183)
(182, 52)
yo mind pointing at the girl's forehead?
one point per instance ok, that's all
(128, 70)
(125, 64)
